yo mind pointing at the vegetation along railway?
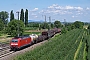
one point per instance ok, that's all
(17, 43)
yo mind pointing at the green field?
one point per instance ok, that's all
(32, 33)
(69, 46)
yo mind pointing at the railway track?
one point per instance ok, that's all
(6, 53)
(5, 50)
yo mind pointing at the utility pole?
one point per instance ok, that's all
(18, 14)
(18, 22)
(45, 17)
(45, 21)
(64, 22)
(49, 19)
(49, 22)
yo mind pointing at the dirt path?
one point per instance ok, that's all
(10, 57)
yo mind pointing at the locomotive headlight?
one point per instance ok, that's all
(14, 44)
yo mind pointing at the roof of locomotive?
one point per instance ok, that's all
(22, 37)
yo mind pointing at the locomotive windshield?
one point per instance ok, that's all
(14, 41)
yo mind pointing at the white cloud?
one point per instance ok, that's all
(87, 8)
(74, 16)
(36, 16)
(56, 9)
(35, 9)
(56, 6)
(78, 8)
(69, 7)
(33, 14)
(50, 7)
(80, 13)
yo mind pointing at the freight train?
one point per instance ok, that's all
(19, 42)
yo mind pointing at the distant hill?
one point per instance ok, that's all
(36, 21)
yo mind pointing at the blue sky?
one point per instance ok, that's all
(71, 10)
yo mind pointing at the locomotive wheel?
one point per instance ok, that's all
(14, 49)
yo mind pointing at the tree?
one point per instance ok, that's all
(1, 25)
(11, 16)
(13, 26)
(22, 15)
(57, 24)
(78, 24)
(4, 16)
(26, 17)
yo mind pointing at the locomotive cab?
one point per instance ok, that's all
(14, 44)
(19, 42)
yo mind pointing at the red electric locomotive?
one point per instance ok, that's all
(19, 42)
